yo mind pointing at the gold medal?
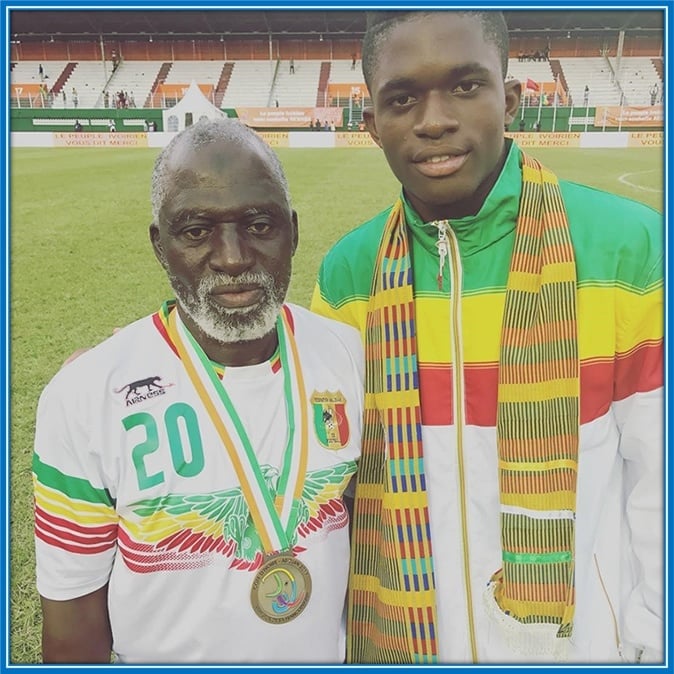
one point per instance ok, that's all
(281, 589)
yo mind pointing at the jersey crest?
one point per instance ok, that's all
(330, 421)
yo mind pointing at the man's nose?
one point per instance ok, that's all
(437, 114)
(231, 252)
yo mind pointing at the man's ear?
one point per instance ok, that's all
(296, 231)
(368, 118)
(156, 245)
(513, 95)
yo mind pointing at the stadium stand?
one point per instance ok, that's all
(25, 72)
(202, 72)
(250, 84)
(538, 71)
(245, 61)
(594, 72)
(342, 73)
(298, 89)
(25, 82)
(135, 77)
(637, 76)
(89, 79)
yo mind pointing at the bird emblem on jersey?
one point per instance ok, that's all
(180, 531)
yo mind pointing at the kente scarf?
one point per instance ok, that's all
(392, 605)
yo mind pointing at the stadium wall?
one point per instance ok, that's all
(329, 139)
(596, 119)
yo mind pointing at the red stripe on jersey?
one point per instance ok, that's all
(640, 370)
(106, 530)
(161, 328)
(436, 395)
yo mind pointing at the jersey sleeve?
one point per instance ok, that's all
(74, 510)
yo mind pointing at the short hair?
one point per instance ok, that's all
(202, 133)
(380, 24)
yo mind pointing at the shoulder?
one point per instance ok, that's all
(327, 330)
(345, 272)
(363, 240)
(615, 231)
(92, 369)
(581, 202)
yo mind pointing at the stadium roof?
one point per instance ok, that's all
(329, 23)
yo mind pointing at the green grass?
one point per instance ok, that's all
(81, 264)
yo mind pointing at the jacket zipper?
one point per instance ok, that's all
(448, 250)
(610, 606)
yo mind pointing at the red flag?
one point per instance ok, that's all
(532, 85)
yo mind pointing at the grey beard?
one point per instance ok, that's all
(230, 325)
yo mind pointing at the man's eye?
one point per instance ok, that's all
(401, 100)
(466, 87)
(196, 233)
(259, 227)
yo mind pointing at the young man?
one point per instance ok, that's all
(509, 504)
(189, 470)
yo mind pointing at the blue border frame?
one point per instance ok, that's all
(8, 5)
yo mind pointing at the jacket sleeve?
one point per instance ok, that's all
(639, 414)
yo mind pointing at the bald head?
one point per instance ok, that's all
(194, 138)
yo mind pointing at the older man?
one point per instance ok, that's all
(189, 470)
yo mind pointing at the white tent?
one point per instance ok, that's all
(192, 107)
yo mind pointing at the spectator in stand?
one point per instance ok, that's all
(354, 58)
(40, 72)
(73, 95)
(111, 126)
(654, 94)
(522, 124)
(586, 96)
(78, 126)
(292, 66)
(106, 99)
(63, 95)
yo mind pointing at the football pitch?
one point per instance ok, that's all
(81, 264)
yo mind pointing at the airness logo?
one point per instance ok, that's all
(143, 389)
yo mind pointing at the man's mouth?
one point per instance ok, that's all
(238, 297)
(440, 165)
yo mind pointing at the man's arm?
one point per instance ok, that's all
(638, 411)
(77, 630)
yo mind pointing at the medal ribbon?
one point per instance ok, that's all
(268, 514)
